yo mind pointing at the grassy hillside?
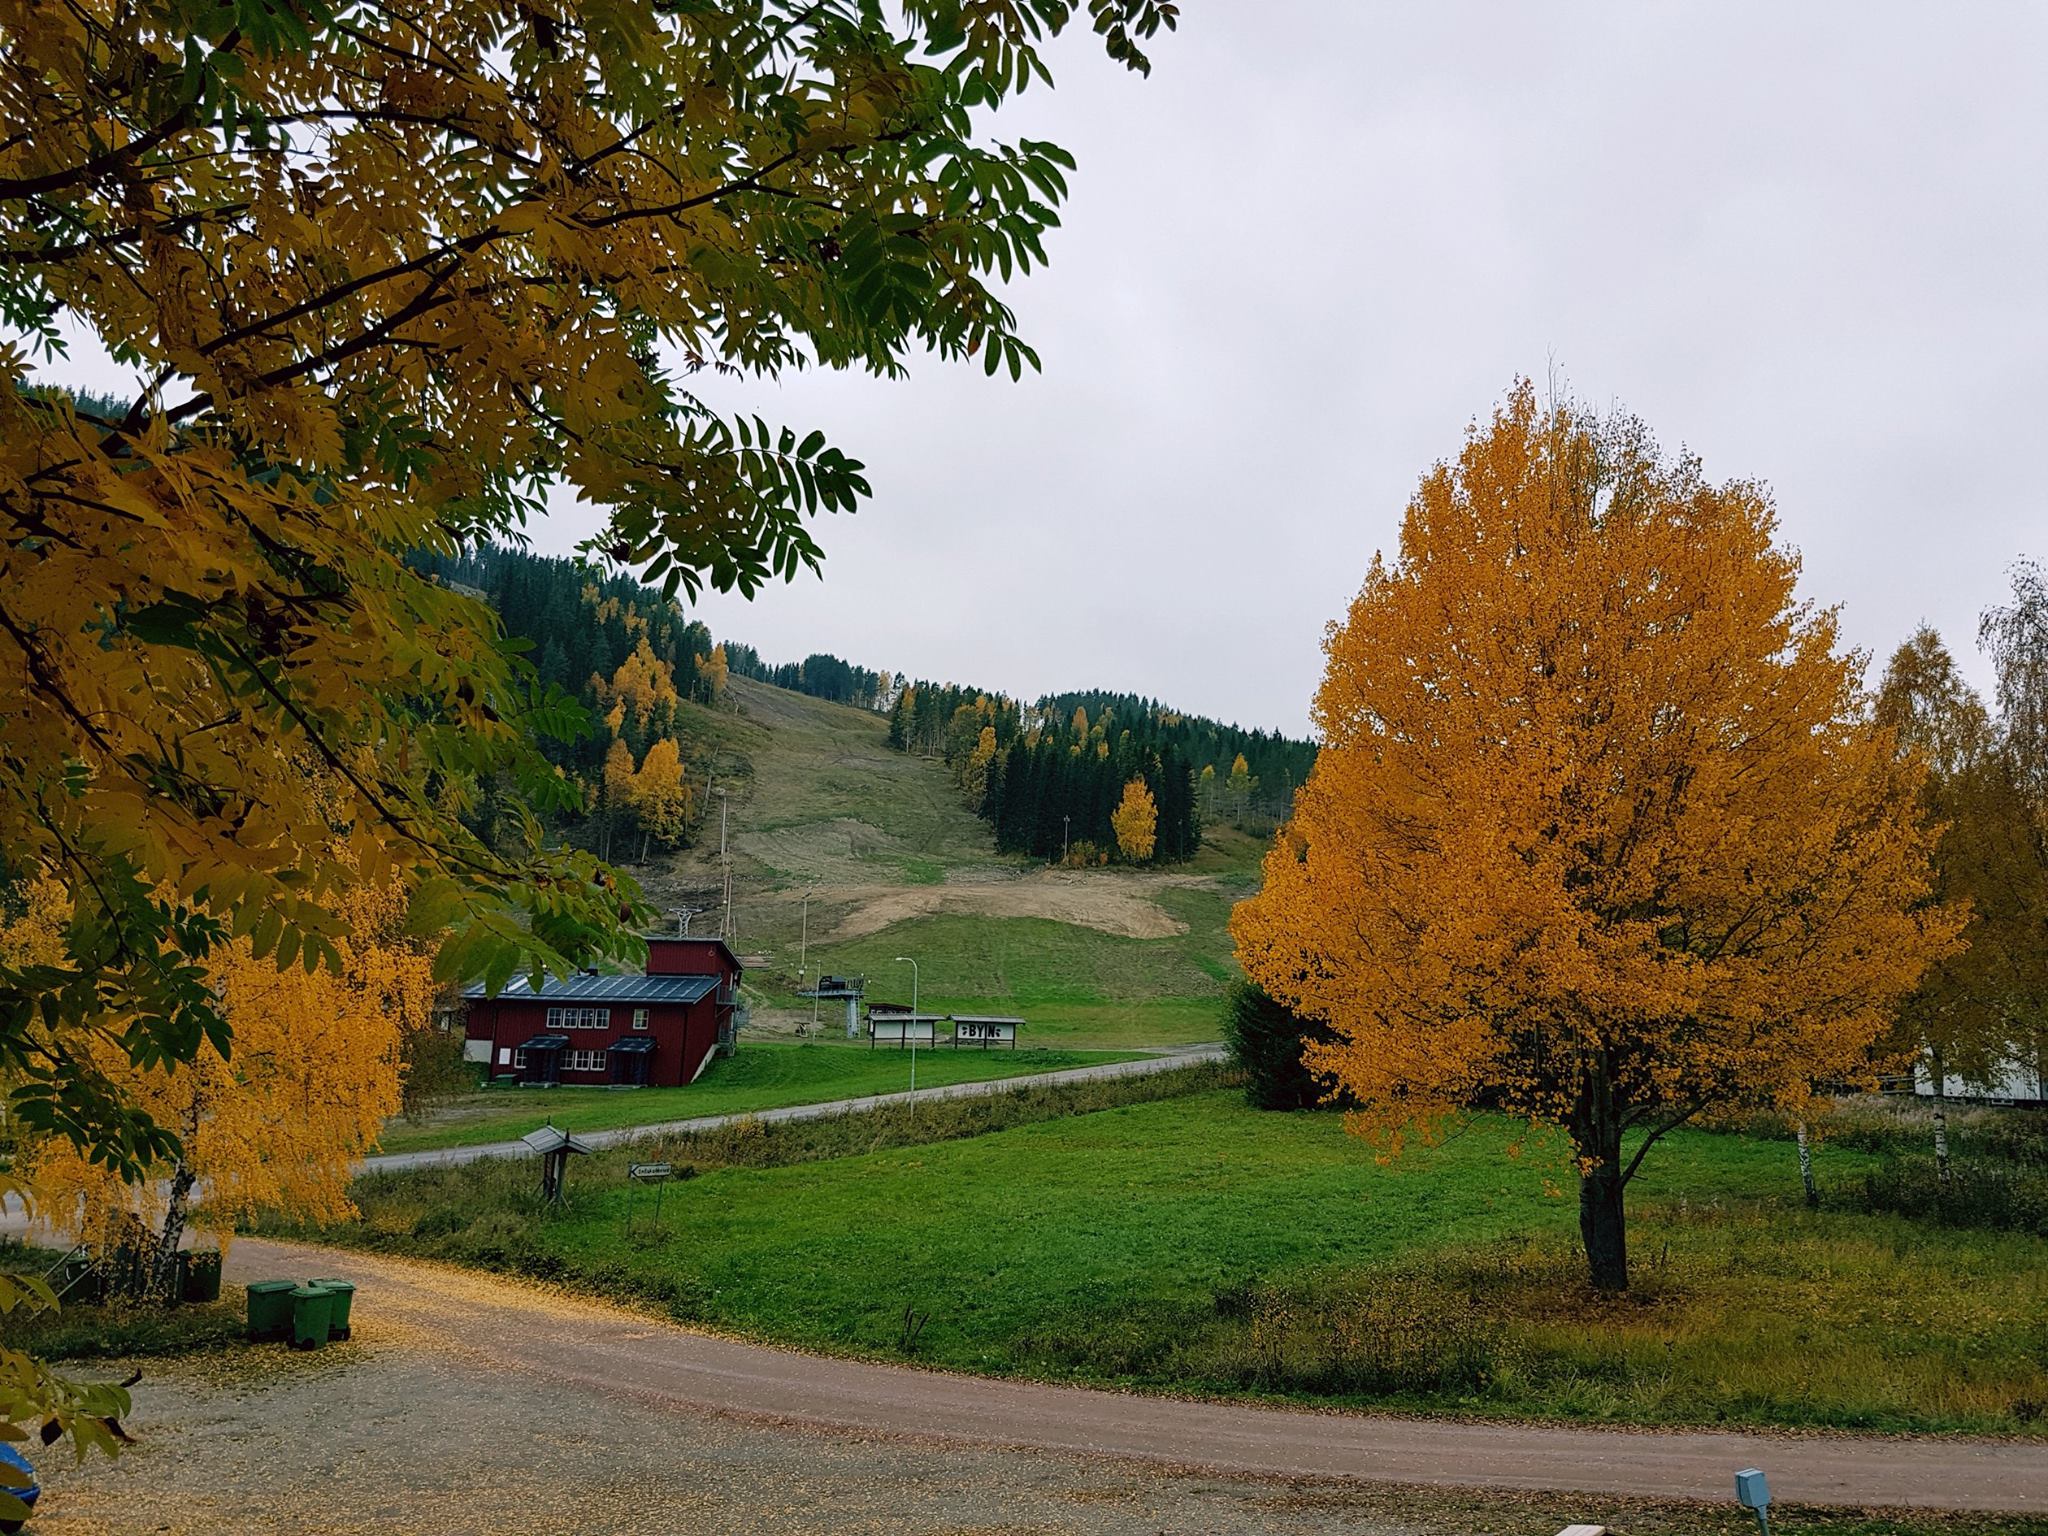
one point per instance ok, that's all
(895, 864)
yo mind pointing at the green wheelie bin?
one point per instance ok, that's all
(344, 1293)
(312, 1316)
(270, 1308)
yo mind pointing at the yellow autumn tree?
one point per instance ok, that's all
(1600, 829)
(278, 1126)
(1207, 791)
(382, 274)
(1135, 822)
(661, 796)
(714, 669)
(1242, 784)
(643, 685)
(615, 791)
(974, 777)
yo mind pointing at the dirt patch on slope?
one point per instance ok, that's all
(1123, 905)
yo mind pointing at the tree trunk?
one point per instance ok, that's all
(1940, 1121)
(1601, 1225)
(164, 1262)
(1806, 1168)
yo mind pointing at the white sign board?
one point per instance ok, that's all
(903, 1030)
(984, 1031)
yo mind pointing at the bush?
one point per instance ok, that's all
(1265, 1039)
(2005, 1196)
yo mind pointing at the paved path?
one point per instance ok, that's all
(395, 1162)
(598, 1351)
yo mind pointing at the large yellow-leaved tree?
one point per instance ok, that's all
(274, 1127)
(382, 275)
(1601, 830)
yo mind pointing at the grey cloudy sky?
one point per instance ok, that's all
(1805, 241)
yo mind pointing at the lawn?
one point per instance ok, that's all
(1076, 985)
(1193, 1244)
(761, 1075)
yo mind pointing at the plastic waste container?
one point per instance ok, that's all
(27, 1491)
(201, 1278)
(312, 1316)
(344, 1294)
(270, 1308)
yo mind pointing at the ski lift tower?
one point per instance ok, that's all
(846, 989)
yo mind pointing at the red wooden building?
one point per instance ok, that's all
(659, 1029)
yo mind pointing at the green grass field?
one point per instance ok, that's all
(760, 1075)
(1192, 1244)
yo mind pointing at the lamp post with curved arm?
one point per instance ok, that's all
(906, 960)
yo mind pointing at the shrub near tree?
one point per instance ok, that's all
(1601, 829)
(1268, 1040)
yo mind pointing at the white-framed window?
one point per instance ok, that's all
(519, 1057)
(578, 1018)
(639, 1018)
(583, 1061)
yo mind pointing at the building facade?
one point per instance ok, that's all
(658, 1029)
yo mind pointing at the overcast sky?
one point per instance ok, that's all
(1807, 242)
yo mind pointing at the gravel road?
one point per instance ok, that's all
(472, 1404)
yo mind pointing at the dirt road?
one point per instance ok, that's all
(572, 1353)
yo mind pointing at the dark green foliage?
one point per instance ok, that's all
(819, 674)
(1265, 1039)
(1998, 1178)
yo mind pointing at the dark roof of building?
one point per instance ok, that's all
(696, 938)
(605, 989)
(547, 1043)
(632, 1044)
(986, 1018)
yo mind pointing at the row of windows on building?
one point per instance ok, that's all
(572, 1061)
(589, 1018)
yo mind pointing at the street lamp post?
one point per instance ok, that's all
(803, 950)
(906, 960)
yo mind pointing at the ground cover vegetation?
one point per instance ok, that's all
(1144, 1234)
(383, 275)
(759, 1075)
(1616, 846)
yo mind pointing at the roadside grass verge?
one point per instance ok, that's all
(123, 1332)
(1192, 1244)
(760, 1075)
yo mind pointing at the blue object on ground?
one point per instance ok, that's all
(13, 1458)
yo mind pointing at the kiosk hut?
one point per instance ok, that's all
(894, 1024)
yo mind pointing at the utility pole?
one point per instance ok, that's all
(803, 949)
(1064, 821)
(724, 859)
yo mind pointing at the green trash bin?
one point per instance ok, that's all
(312, 1316)
(270, 1308)
(344, 1293)
(202, 1275)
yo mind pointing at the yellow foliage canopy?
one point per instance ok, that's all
(1600, 826)
(314, 1075)
(1136, 822)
